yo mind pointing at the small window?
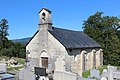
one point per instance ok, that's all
(43, 14)
(44, 62)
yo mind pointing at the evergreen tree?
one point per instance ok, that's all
(3, 33)
(104, 29)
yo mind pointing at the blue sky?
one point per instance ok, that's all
(22, 15)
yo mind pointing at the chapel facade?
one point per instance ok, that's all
(75, 48)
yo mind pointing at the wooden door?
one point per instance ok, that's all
(44, 62)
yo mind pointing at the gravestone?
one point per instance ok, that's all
(3, 67)
(116, 74)
(103, 78)
(26, 74)
(59, 65)
(111, 69)
(94, 73)
(104, 71)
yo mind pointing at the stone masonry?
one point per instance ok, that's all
(43, 44)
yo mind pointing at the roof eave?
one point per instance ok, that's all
(84, 47)
(31, 38)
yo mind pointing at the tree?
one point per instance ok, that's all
(118, 33)
(3, 33)
(104, 29)
(7, 47)
(13, 50)
(19, 50)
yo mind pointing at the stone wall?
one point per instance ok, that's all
(77, 60)
(99, 58)
(86, 60)
(46, 45)
(33, 47)
(55, 50)
(58, 75)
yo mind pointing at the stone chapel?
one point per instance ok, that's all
(75, 48)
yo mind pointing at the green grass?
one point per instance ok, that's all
(10, 69)
(118, 67)
(4, 57)
(15, 68)
(18, 68)
(101, 69)
(19, 60)
(86, 74)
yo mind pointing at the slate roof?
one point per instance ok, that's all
(45, 9)
(73, 39)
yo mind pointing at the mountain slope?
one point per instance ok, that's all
(23, 40)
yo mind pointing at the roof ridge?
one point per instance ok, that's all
(66, 29)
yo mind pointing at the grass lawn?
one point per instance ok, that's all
(87, 73)
(15, 68)
(4, 57)
(19, 60)
(101, 69)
